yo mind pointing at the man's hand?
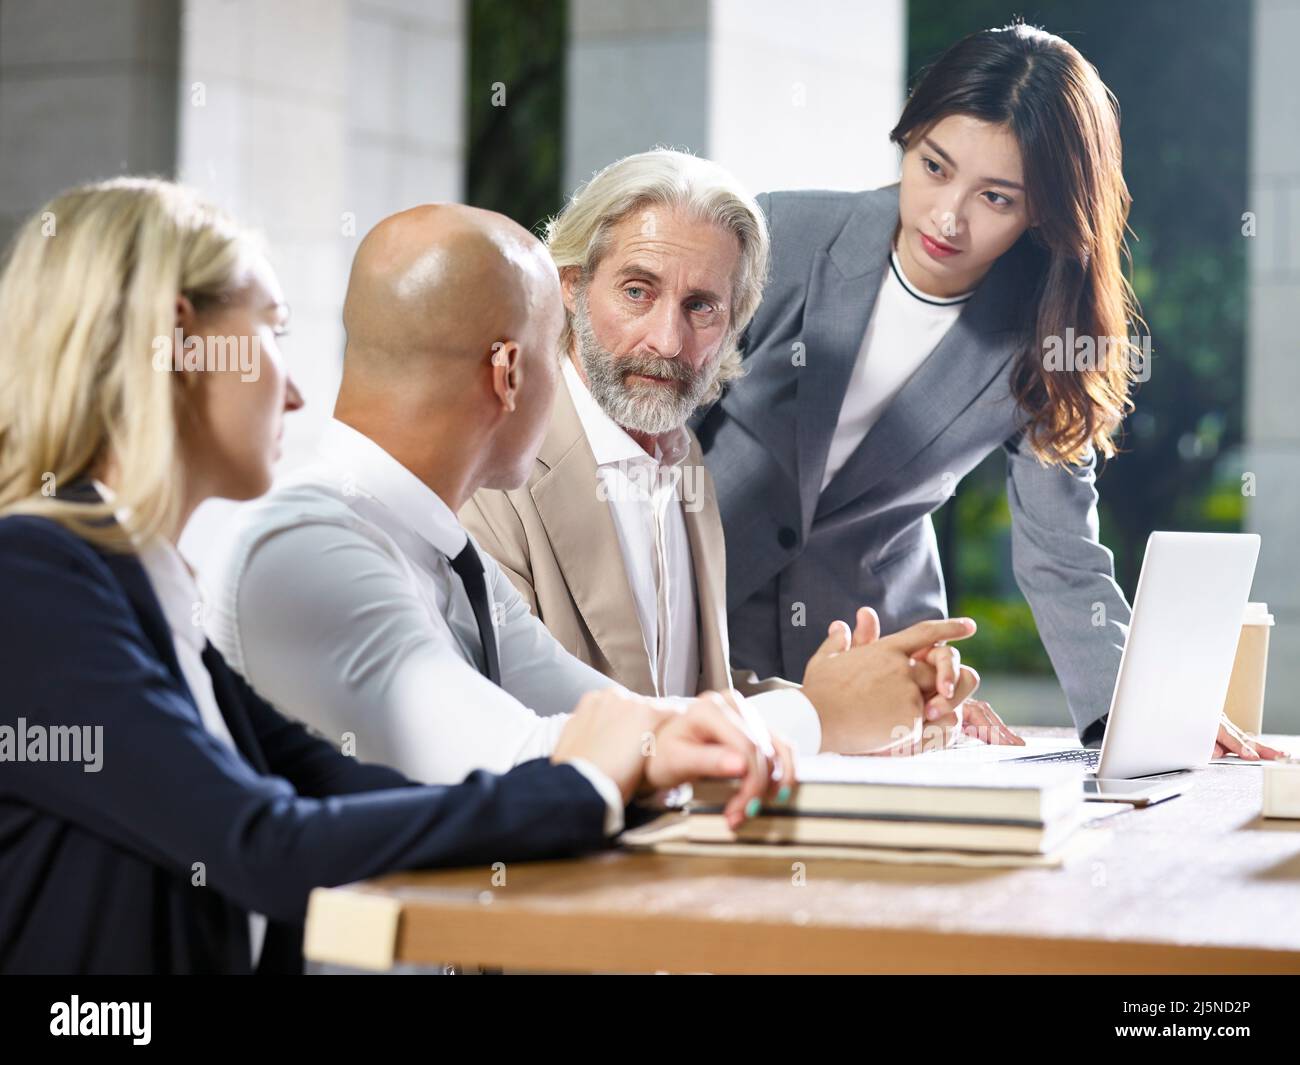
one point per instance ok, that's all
(873, 694)
(976, 717)
(945, 659)
(1231, 740)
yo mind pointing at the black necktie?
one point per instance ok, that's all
(469, 568)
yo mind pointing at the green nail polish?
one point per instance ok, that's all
(783, 796)
(752, 807)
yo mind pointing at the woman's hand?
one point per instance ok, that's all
(632, 741)
(1231, 740)
(718, 736)
(614, 730)
(982, 722)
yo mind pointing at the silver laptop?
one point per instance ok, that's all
(1174, 670)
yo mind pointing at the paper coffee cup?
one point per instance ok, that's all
(1244, 705)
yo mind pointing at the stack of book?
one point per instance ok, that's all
(904, 804)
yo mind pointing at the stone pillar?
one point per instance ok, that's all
(313, 119)
(87, 91)
(785, 95)
(309, 119)
(1273, 351)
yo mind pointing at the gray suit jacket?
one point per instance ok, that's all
(798, 558)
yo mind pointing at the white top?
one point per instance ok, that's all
(645, 501)
(335, 597)
(906, 326)
(182, 607)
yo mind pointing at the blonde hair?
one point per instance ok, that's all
(579, 235)
(90, 285)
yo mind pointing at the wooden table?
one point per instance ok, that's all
(1197, 884)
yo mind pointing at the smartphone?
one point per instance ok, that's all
(1145, 792)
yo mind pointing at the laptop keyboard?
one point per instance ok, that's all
(1088, 757)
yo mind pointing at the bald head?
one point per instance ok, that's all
(433, 289)
(453, 317)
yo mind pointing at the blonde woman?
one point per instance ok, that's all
(156, 815)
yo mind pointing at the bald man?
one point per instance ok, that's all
(352, 598)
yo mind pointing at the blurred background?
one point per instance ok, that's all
(312, 119)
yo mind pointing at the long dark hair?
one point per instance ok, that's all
(1066, 122)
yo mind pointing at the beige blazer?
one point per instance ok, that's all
(555, 539)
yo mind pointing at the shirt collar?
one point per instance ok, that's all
(609, 441)
(173, 583)
(362, 464)
(896, 268)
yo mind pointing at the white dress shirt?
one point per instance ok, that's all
(182, 607)
(906, 326)
(334, 596)
(644, 497)
(643, 493)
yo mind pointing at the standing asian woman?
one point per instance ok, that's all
(909, 331)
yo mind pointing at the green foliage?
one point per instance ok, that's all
(515, 155)
(1007, 640)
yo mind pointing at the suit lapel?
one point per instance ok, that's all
(130, 574)
(841, 296)
(705, 536)
(969, 356)
(586, 546)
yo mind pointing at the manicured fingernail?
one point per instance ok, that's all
(931, 712)
(951, 689)
(783, 796)
(752, 807)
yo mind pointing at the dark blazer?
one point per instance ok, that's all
(97, 869)
(867, 538)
